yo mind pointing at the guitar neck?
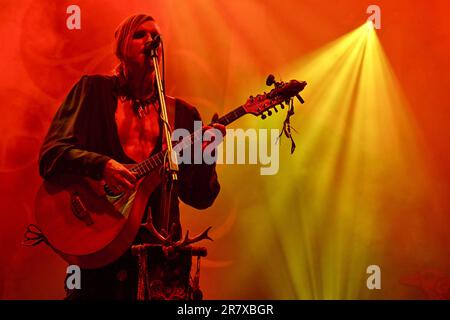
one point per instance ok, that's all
(145, 167)
(232, 116)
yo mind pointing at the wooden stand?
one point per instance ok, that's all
(165, 272)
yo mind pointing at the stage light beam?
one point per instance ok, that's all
(325, 220)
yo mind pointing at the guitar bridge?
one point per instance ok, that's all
(79, 210)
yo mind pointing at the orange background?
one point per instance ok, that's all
(218, 53)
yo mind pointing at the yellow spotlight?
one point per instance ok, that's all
(322, 221)
(370, 25)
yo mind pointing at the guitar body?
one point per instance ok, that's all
(84, 225)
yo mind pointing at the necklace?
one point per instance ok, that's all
(141, 107)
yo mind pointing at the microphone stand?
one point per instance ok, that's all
(172, 169)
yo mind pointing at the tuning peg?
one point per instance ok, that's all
(270, 80)
(300, 98)
(269, 112)
(263, 116)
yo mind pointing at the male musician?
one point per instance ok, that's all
(108, 120)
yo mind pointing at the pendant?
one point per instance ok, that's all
(142, 111)
(141, 108)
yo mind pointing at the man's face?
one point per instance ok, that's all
(135, 51)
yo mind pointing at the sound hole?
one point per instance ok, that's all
(110, 193)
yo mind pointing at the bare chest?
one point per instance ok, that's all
(138, 136)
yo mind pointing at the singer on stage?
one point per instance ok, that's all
(109, 120)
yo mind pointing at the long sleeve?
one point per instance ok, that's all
(199, 185)
(65, 147)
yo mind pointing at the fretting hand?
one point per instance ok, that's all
(211, 135)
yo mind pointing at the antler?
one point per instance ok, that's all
(186, 241)
(168, 240)
(150, 227)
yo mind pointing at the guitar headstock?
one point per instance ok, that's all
(282, 93)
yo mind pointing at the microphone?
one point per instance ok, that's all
(149, 46)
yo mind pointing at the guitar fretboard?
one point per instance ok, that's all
(145, 167)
